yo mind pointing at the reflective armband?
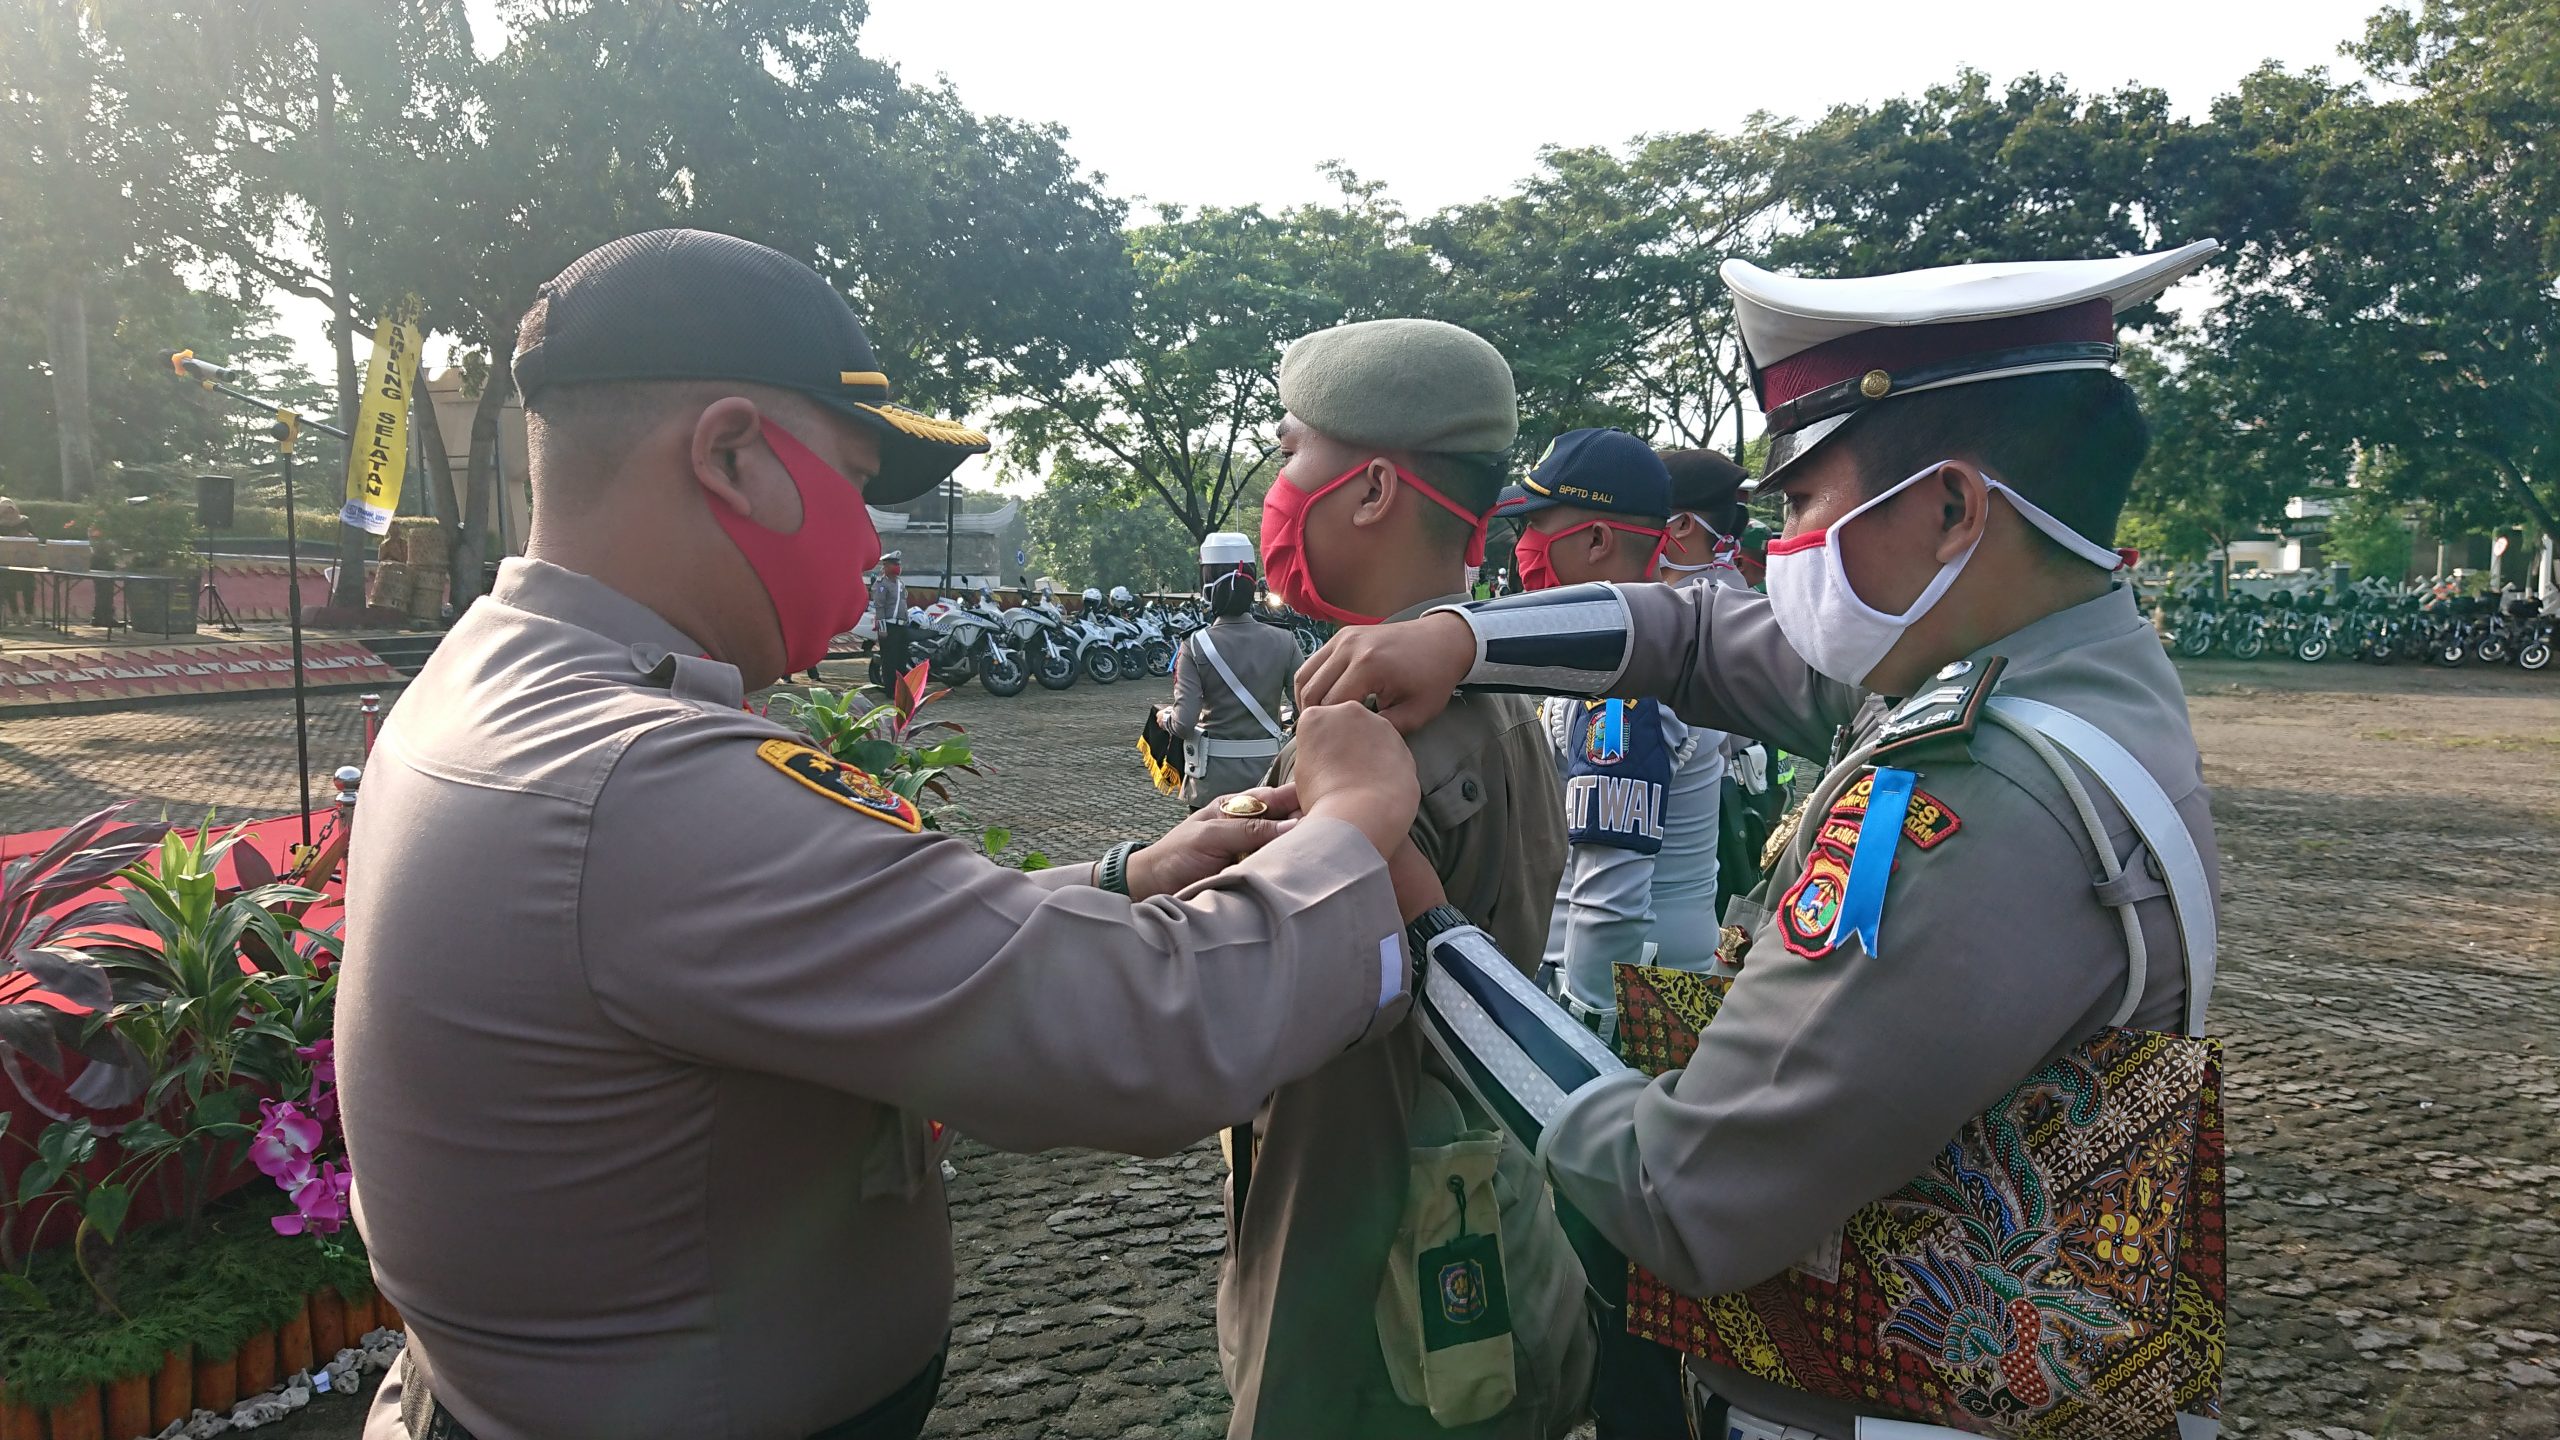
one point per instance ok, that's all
(1567, 641)
(1515, 1049)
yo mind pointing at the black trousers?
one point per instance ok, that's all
(1635, 1384)
(893, 653)
(900, 1416)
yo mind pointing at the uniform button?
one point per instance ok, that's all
(1467, 789)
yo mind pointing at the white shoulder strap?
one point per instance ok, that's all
(1262, 717)
(2154, 818)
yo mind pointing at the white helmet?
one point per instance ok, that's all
(1092, 595)
(1120, 595)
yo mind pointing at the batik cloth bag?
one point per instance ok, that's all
(2057, 1273)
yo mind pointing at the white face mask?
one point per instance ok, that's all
(1719, 545)
(1843, 636)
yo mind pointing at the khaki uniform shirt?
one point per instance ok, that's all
(1827, 1083)
(642, 1037)
(1298, 1290)
(1264, 657)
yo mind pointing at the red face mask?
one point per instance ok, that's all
(1537, 568)
(813, 575)
(1284, 541)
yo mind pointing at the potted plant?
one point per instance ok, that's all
(157, 538)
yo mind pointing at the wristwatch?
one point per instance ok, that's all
(1112, 872)
(1426, 927)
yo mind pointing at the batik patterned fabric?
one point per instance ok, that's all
(2056, 1274)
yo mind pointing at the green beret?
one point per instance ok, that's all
(1403, 385)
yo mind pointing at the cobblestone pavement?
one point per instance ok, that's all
(2391, 974)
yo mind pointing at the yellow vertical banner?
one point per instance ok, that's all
(378, 449)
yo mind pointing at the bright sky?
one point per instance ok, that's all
(1198, 101)
(1213, 102)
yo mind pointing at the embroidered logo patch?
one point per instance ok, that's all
(1927, 822)
(847, 786)
(1604, 731)
(1812, 905)
(1462, 1296)
(1808, 910)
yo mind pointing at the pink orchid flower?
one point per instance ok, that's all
(284, 1143)
(323, 1055)
(319, 1202)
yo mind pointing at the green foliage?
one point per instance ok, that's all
(1088, 529)
(889, 741)
(211, 1287)
(150, 536)
(2370, 534)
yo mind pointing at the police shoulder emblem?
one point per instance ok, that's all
(853, 788)
(1604, 731)
(1809, 911)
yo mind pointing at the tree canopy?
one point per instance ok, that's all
(2381, 327)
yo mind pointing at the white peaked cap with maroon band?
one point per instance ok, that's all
(1823, 351)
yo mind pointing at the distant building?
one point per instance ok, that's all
(981, 544)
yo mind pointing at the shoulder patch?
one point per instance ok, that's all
(1810, 908)
(1945, 709)
(1617, 773)
(847, 786)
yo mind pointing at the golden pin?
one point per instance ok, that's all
(1244, 807)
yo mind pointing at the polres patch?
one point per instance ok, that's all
(1811, 907)
(853, 788)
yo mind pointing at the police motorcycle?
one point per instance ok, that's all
(1049, 646)
(2535, 635)
(2193, 622)
(2315, 629)
(1098, 648)
(1129, 638)
(964, 645)
(1155, 639)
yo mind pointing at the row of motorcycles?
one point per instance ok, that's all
(2375, 623)
(1006, 647)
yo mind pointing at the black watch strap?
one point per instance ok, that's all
(1426, 927)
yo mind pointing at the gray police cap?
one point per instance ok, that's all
(1403, 385)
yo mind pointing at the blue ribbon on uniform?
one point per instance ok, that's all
(1871, 863)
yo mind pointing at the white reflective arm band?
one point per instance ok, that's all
(1516, 1050)
(1569, 641)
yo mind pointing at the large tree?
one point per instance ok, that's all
(1181, 407)
(2396, 255)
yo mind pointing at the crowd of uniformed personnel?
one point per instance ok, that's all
(657, 1022)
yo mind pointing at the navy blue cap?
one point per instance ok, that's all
(1609, 471)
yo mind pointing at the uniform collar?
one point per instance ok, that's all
(2105, 618)
(655, 648)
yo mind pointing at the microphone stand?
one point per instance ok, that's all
(287, 428)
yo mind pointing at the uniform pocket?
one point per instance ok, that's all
(905, 1153)
(1444, 1311)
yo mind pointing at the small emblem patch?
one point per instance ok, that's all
(850, 787)
(1810, 907)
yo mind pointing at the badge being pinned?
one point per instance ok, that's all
(848, 786)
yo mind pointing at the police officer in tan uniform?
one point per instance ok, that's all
(1391, 457)
(1229, 679)
(654, 1017)
(1944, 611)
